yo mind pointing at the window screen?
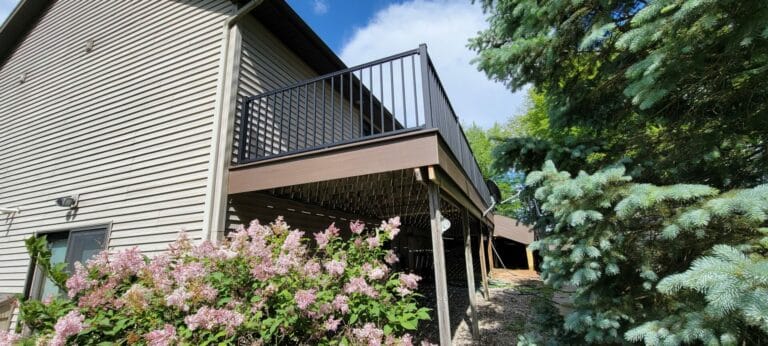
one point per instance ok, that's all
(70, 247)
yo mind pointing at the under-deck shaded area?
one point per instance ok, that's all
(371, 198)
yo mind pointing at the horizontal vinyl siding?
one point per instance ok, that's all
(127, 125)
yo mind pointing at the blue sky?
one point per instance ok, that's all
(336, 20)
(6, 6)
(364, 30)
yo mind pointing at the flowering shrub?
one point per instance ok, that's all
(266, 284)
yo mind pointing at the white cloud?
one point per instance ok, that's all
(445, 26)
(320, 7)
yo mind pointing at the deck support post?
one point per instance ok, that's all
(470, 274)
(481, 252)
(529, 257)
(438, 255)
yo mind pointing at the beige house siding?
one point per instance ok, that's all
(127, 125)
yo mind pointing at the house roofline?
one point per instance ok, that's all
(276, 15)
(280, 19)
(23, 17)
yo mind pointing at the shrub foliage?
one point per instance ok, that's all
(266, 284)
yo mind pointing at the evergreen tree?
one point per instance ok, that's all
(675, 90)
(483, 143)
(627, 250)
(673, 249)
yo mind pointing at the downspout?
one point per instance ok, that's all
(223, 125)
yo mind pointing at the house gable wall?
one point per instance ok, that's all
(111, 100)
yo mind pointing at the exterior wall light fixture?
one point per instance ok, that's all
(68, 201)
(4, 210)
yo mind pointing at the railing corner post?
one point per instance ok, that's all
(426, 86)
(244, 117)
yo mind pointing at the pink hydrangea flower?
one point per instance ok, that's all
(187, 271)
(377, 273)
(341, 303)
(335, 268)
(356, 227)
(392, 227)
(332, 230)
(210, 318)
(323, 238)
(136, 297)
(178, 298)
(157, 272)
(359, 285)
(208, 249)
(99, 262)
(161, 337)
(8, 337)
(68, 325)
(331, 324)
(304, 298)
(408, 283)
(373, 242)
(100, 296)
(127, 262)
(181, 245)
(206, 293)
(284, 263)
(279, 226)
(79, 281)
(391, 257)
(292, 242)
(312, 269)
(369, 334)
(406, 340)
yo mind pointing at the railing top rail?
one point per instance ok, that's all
(442, 89)
(334, 74)
(455, 116)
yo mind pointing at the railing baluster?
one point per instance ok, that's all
(370, 96)
(323, 120)
(314, 111)
(425, 85)
(402, 85)
(242, 142)
(392, 89)
(305, 101)
(333, 112)
(351, 102)
(282, 118)
(381, 100)
(341, 106)
(361, 105)
(290, 117)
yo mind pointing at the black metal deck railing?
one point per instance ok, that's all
(385, 97)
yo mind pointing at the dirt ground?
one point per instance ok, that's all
(502, 316)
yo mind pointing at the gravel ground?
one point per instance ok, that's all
(501, 317)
